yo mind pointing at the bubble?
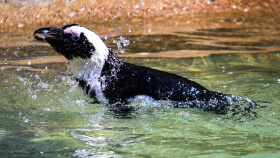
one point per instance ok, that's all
(26, 119)
(34, 96)
(121, 42)
(19, 69)
(16, 54)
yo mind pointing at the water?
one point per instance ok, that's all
(43, 112)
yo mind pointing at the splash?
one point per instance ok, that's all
(121, 43)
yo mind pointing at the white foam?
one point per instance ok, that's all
(140, 97)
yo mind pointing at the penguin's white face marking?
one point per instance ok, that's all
(74, 30)
(100, 53)
(84, 49)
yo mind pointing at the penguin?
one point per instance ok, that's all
(110, 80)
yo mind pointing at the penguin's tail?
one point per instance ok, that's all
(233, 107)
(219, 103)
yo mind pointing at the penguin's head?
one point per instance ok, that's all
(73, 41)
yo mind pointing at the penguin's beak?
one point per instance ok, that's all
(48, 34)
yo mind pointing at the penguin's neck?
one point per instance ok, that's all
(89, 71)
(112, 64)
(85, 68)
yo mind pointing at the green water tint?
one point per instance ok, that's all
(43, 113)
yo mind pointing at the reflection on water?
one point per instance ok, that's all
(44, 113)
(158, 43)
(263, 43)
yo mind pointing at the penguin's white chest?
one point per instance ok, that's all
(89, 70)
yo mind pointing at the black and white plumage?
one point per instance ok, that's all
(109, 79)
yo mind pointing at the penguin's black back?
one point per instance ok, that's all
(125, 80)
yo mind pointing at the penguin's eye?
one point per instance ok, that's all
(75, 38)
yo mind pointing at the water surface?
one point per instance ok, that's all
(43, 113)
